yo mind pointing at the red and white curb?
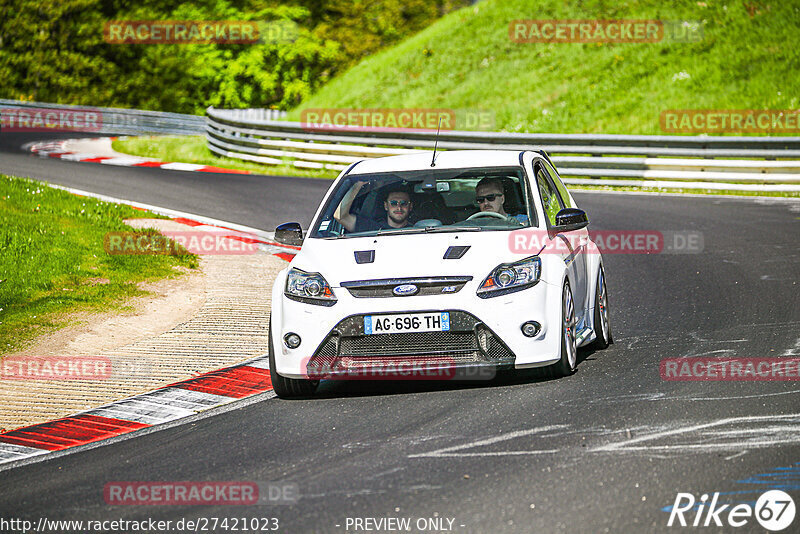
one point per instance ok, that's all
(176, 401)
(170, 403)
(57, 149)
(285, 252)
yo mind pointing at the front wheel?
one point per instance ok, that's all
(569, 349)
(602, 326)
(287, 388)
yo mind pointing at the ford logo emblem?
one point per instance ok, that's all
(405, 290)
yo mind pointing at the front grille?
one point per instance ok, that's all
(412, 344)
(497, 350)
(347, 347)
(440, 285)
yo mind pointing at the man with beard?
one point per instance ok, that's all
(397, 204)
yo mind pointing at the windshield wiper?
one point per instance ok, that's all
(437, 229)
(403, 230)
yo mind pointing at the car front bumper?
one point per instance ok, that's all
(484, 333)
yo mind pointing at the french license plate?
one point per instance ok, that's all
(407, 322)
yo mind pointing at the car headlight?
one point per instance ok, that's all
(511, 277)
(311, 288)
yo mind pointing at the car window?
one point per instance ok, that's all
(562, 190)
(550, 201)
(429, 200)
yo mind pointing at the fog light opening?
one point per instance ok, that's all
(291, 340)
(531, 328)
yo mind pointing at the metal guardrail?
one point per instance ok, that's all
(258, 135)
(109, 120)
(677, 158)
(257, 114)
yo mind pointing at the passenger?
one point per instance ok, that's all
(490, 197)
(397, 204)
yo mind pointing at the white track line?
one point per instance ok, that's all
(169, 212)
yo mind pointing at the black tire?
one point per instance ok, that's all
(601, 314)
(569, 358)
(287, 388)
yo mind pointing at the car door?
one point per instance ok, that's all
(555, 198)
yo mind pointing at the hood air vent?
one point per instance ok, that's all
(456, 252)
(365, 256)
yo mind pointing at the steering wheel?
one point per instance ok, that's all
(427, 223)
(493, 214)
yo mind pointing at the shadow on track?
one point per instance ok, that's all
(330, 389)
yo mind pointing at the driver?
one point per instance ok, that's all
(490, 197)
(397, 205)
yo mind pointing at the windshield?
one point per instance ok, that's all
(446, 200)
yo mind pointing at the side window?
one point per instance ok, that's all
(550, 201)
(559, 185)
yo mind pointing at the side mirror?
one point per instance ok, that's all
(290, 233)
(570, 219)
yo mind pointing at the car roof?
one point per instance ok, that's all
(451, 159)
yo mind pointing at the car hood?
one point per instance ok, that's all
(402, 256)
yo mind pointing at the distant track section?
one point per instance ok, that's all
(623, 158)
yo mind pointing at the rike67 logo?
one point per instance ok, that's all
(774, 511)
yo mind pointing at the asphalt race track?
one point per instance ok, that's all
(605, 450)
(247, 199)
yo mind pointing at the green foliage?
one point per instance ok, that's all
(49, 51)
(748, 59)
(54, 51)
(365, 27)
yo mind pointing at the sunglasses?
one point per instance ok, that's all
(401, 203)
(490, 198)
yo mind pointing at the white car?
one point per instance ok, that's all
(468, 260)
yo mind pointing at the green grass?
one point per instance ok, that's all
(193, 149)
(748, 59)
(51, 255)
